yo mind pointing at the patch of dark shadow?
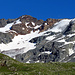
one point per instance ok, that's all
(37, 39)
(67, 30)
(22, 59)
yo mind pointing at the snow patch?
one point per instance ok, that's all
(28, 61)
(23, 16)
(45, 23)
(70, 35)
(73, 20)
(23, 28)
(8, 26)
(26, 23)
(71, 52)
(50, 38)
(47, 52)
(18, 43)
(33, 23)
(18, 21)
(74, 57)
(60, 26)
(36, 27)
(37, 61)
(62, 40)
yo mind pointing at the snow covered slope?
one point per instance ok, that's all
(8, 26)
(60, 26)
(21, 41)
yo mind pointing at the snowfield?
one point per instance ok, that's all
(60, 26)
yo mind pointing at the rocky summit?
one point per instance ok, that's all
(30, 40)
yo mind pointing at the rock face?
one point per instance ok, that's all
(29, 23)
(3, 22)
(5, 38)
(53, 40)
(20, 29)
(49, 23)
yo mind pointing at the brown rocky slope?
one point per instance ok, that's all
(29, 23)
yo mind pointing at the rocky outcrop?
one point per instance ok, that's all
(3, 22)
(70, 28)
(27, 18)
(46, 53)
(10, 20)
(20, 29)
(5, 38)
(48, 24)
(37, 39)
(29, 23)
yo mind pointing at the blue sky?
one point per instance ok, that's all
(40, 9)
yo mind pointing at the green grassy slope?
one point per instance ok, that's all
(14, 67)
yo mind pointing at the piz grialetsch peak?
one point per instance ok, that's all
(29, 40)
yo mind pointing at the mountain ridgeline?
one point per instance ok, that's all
(29, 40)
